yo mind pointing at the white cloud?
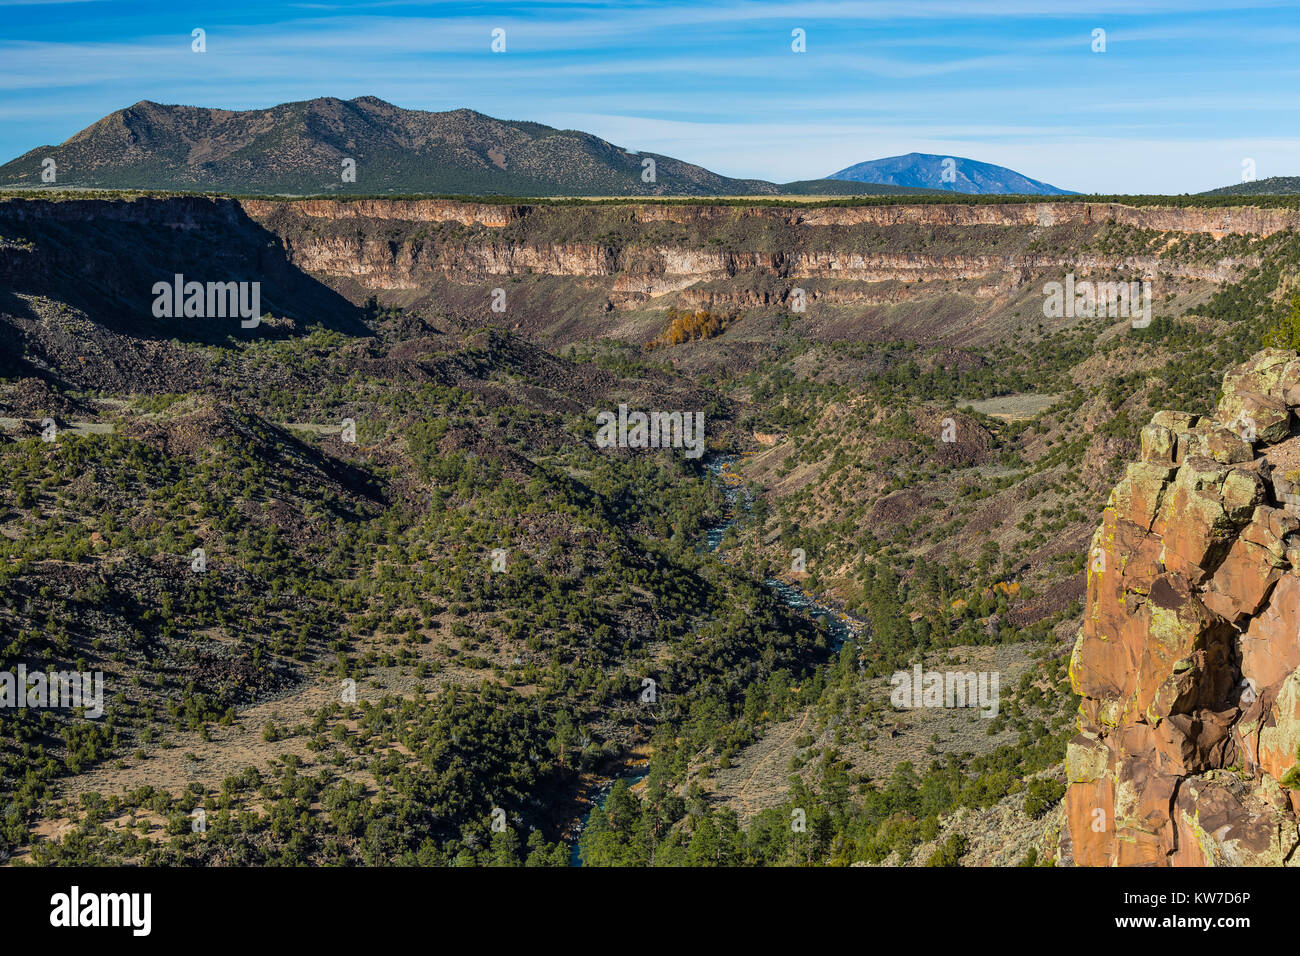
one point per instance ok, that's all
(1060, 156)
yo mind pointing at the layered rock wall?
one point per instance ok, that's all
(634, 255)
(1237, 220)
(393, 248)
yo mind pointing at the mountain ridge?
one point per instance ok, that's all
(1272, 186)
(329, 146)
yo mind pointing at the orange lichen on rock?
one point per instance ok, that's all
(1188, 660)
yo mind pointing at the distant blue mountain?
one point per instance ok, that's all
(953, 173)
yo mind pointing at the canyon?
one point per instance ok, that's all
(895, 398)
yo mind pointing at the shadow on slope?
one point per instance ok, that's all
(104, 258)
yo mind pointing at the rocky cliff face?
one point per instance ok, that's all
(633, 257)
(1188, 661)
(952, 274)
(1225, 221)
(638, 256)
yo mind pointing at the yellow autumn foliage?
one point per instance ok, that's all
(687, 326)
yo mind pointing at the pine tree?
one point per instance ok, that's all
(1286, 334)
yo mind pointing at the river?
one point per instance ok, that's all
(839, 626)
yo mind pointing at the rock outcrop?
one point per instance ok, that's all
(1188, 661)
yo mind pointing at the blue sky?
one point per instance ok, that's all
(1183, 95)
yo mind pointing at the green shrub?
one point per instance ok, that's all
(1041, 795)
(952, 850)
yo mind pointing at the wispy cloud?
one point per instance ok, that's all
(1011, 81)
